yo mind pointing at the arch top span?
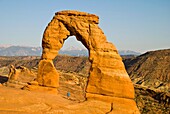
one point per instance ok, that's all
(82, 15)
(108, 76)
(80, 24)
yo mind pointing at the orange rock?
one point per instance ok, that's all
(118, 105)
(47, 74)
(21, 74)
(108, 76)
(50, 90)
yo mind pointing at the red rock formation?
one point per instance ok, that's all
(108, 80)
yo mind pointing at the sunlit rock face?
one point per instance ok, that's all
(108, 80)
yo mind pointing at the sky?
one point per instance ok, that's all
(137, 25)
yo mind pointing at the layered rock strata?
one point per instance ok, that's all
(108, 80)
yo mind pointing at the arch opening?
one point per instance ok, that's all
(73, 69)
(73, 47)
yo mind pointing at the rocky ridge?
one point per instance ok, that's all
(150, 72)
(151, 69)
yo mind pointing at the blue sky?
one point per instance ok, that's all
(138, 25)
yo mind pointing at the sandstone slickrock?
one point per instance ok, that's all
(20, 73)
(108, 78)
(18, 77)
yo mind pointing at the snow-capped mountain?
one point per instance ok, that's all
(20, 51)
(5, 45)
(7, 50)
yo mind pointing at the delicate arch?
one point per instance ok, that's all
(108, 76)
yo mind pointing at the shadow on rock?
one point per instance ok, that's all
(3, 79)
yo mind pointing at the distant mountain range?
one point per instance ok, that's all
(20, 51)
(128, 52)
(8, 50)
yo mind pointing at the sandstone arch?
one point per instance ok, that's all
(108, 77)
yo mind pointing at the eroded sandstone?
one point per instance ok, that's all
(18, 77)
(20, 74)
(108, 80)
